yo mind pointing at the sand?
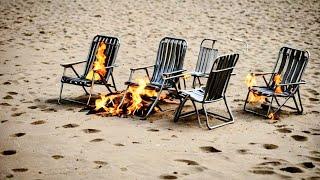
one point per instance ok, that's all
(40, 139)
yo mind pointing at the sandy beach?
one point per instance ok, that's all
(40, 139)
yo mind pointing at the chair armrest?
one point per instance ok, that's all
(295, 83)
(174, 72)
(177, 76)
(262, 73)
(139, 68)
(71, 64)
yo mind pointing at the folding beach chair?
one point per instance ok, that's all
(103, 53)
(290, 66)
(207, 54)
(169, 62)
(214, 91)
(205, 59)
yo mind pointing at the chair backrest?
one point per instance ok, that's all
(206, 56)
(290, 66)
(170, 58)
(219, 77)
(112, 47)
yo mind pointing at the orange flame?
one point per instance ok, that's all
(277, 80)
(99, 68)
(132, 102)
(250, 82)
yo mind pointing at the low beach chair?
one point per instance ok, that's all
(108, 47)
(205, 59)
(289, 67)
(169, 61)
(214, 91)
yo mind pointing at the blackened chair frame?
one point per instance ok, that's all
(214, 91)
(112, 47)
(291, 64)
(169, 62)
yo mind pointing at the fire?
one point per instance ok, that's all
(99, 68)
(273, 116)
(277, 80)
(250, 82)
(127, 102)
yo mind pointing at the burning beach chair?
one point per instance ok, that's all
(284, 83)
(169, 62)
(98, 69)
(214, 91)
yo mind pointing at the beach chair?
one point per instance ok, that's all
(169, 62)
(205, 59)
(290, 66)
(103, 53)
(214, 91)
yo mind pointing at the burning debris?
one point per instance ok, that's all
(133, 101)
(260, 99)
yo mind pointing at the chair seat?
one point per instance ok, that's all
(195, 94)
(79, 81)
(198, 74)
(266, 91)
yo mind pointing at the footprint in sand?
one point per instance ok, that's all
(19, 169)
(243, 151)
(308, 165)
(270, 146)
(167, 176)
(313, 99)
(97, 140)
(71, 125)
(17, 114)
(32, 107)
(188, 162)
(3, 121)
(209, 149)
(272, 163)
(38, 122)
(5, 104)
(57, 157)
(100, 162)
(18, 134)
(299, 138)
(9, 176)
(292, 169)
(90, 131)
(7, 97)
(153, 130)
(284, 130)
(262, 171)
(118, 144)
(12, 93)
(8, 152)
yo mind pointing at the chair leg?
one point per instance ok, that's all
(197, 112)
(177, 113)
(300, 102)
(113, 82)
(199, 81)
(85, 90)
(246, 101)
(226, 120)
(194, 82)
(60, 96)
